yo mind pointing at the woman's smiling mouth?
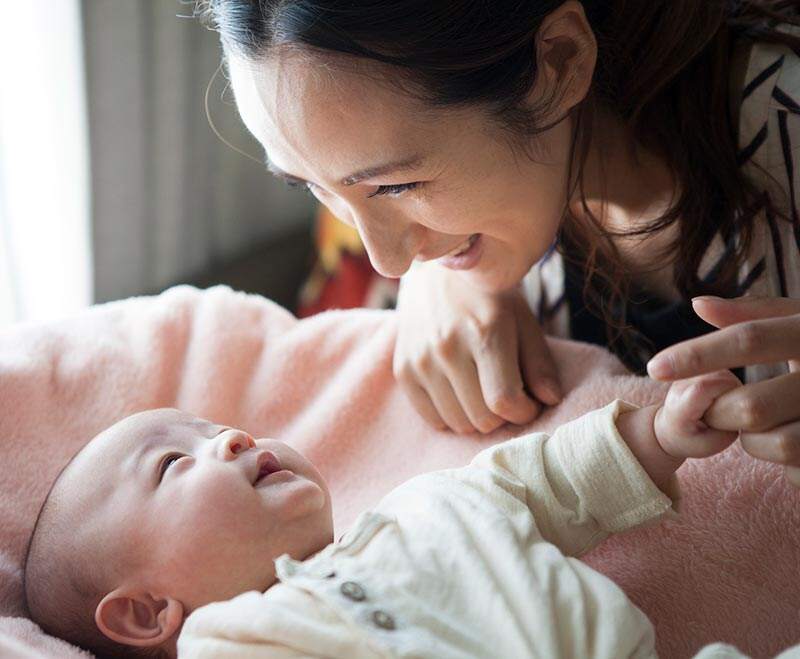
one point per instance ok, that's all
(465, 256)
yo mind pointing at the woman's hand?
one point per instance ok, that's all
(754, 331)
(470, 360)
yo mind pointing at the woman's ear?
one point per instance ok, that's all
(136, 618)
(566, 55)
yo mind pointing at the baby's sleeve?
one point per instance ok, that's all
(581, 483)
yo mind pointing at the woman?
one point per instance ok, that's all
(599, 163)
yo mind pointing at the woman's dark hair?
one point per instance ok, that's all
(663, 67)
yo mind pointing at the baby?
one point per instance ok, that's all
(170, 535)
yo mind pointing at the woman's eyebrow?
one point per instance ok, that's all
(374, 171)
(403, 165)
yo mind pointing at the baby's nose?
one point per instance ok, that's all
(235, 442)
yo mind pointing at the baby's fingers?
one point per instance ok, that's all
(680, 426)
(691, 398)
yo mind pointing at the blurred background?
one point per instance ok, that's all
(113, 183)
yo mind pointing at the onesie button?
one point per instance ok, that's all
(353, 591)
(383, 620)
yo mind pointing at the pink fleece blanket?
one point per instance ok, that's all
(727, 572)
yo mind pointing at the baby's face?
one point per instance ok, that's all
(208, 506)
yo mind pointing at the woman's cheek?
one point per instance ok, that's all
(446, 217)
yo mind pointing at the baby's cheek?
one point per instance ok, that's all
(215, 503)
(202, 530)
(197, 516)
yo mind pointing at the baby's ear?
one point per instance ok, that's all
(137, 618)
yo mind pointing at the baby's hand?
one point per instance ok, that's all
(679, 425)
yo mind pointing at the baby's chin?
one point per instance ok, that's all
(312, 521)
(295, 497)
(304, 495)
(315, 498)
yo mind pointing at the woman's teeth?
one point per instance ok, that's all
(463, 247)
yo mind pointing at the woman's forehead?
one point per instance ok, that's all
(307, 80)
(335, 119)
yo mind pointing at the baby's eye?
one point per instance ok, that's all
(174, 457)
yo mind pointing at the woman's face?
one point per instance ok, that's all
(416, 182)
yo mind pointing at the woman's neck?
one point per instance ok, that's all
(627, 188)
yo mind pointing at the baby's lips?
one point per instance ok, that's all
(266, 463)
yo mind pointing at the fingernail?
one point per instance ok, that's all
(660, 368)
(553, 391)
(706, 297)
(793, 475)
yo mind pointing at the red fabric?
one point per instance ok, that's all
(345, 289)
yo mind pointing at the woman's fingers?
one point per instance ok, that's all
(431, 394)
(496, 356)
(793, 475)
(756, 330)
(422, 403)
(457, 353)
(463, 376)
(743, 344)
(781, 445)
(759, 406)
(447, 404)
(538, 368)
(448, 395)
(722, 312)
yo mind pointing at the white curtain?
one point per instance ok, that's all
(112, 182)
(169, 198)
(45, 269)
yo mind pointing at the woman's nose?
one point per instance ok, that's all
(233, 442)
(391, 246)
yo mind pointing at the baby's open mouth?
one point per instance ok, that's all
(268, 463)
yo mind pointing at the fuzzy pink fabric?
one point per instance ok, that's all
(727, 572)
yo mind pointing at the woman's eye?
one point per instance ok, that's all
(166, 464)
(393, 189)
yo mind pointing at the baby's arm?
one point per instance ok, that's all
(608, 471)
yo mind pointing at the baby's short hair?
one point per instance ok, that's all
(67, 573)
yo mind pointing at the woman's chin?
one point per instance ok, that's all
(492, 282)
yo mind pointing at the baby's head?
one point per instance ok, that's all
(158, 515)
